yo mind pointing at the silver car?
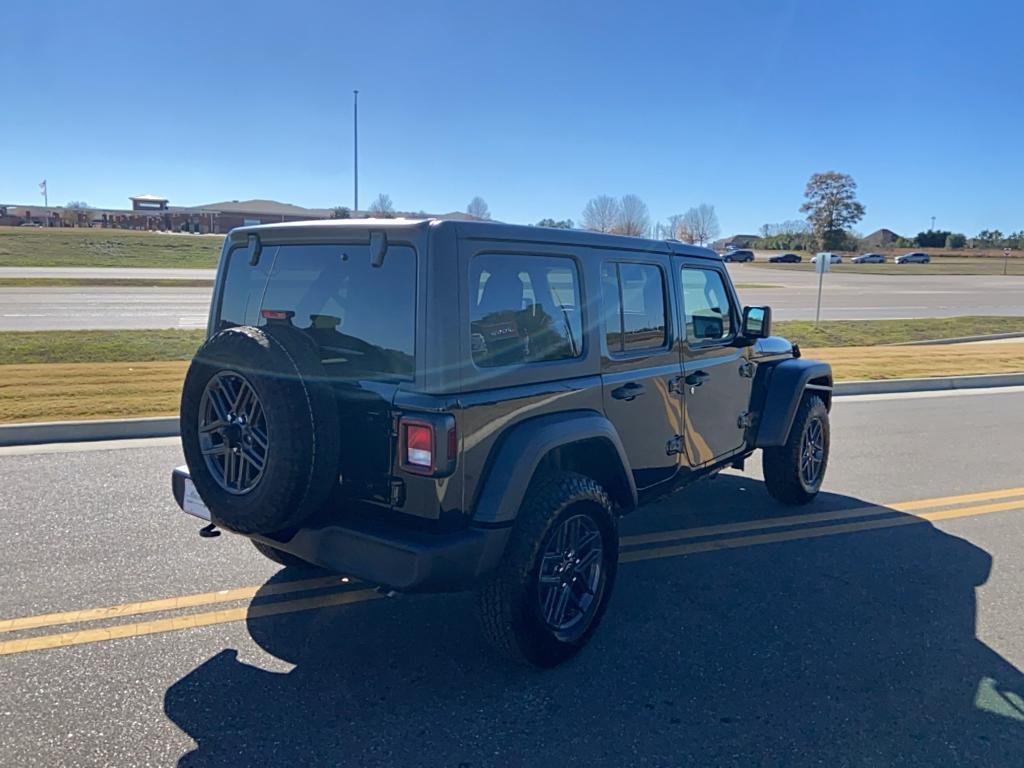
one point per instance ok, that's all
(869, 258)
(913, 258)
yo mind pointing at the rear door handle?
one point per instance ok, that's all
(697, 378)
(628, 391)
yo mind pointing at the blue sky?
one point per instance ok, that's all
(536, 106)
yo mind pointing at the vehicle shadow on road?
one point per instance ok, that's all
(848, 650)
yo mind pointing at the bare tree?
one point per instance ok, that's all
(601, 213)
(478, 207)
(677, 228)
(634, 218)
(382, 206)
(702, 223)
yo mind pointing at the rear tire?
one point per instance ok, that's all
(281, 557)
(794, 472)
(566, 531)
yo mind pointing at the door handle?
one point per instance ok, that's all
(628, 391)
(697, 378)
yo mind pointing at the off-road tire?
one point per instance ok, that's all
(507, 605)
(281, 557)
(781, 464)
(283, 368)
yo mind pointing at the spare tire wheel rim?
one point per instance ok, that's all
(233, 435)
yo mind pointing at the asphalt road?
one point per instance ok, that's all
(884, 636)
(792, 297)
(848, 296)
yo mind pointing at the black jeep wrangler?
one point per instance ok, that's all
(441, 405)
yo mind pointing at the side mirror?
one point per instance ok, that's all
(757, 322)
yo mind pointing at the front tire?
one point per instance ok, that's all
(548, 595)
(794, 472)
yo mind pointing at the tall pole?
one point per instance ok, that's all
(933, 222)
(355, 149)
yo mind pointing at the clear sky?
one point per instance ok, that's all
(536, 106)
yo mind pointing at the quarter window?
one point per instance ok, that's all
(634, 306)
(524, 309)
(706, 305)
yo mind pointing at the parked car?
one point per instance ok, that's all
(786, 258)
(442, 405)
(30, 224)
(915, 257)
(869, 258)
(739, 255)
(832, 257)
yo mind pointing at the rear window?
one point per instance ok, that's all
(524, 309)
(362, 318)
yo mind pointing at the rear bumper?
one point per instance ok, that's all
(409, 561)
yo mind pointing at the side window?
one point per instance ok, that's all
(634, 306)
(706, 305)
(524, 309)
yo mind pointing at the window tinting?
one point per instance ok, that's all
(705, 305)
(524, 309)
(362, 318)
(634, 306)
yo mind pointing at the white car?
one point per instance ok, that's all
(833, 258)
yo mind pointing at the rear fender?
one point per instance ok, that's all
(515, 460)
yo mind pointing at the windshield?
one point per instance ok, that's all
(361, 317)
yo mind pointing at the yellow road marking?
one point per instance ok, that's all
(814, 517)
(166, 604)
(175, 623)
(242, 613)
(813, 533)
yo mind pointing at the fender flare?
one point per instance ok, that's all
(785, 387)
(514, 461)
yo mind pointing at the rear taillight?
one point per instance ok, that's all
(428, 444)
(419, 445)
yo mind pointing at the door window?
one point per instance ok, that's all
(633, 296)
(706, 306)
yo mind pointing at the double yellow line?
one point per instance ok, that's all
(340, 590)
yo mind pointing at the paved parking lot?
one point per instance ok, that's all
(881, 625)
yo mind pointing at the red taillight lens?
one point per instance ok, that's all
(419, 445)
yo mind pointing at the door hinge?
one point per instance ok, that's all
(674, 446)
(747, 369)
(745, 421)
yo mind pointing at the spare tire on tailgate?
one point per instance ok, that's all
(259, 428)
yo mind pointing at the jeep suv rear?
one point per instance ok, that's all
(436, 405)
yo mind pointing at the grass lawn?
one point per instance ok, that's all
(56, 375)
(100, 282)
(850, 333)
(82, 247)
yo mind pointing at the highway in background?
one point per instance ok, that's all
(740, 633)
(792, 296)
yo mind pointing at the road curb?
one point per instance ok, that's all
(960, 339)
(83, 431)
(167, 426)
(936, 384)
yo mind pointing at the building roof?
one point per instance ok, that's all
(148, 199)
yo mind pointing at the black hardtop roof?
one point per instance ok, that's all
(473, 230)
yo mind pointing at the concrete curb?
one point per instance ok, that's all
(937, 384)
(83, 431)
(167, 426)
(960, 339)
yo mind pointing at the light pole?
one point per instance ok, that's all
(933, 223)
(355, 150)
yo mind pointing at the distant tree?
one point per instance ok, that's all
(678, 230)
(478, 207)
(989, 238)
(634, 218)
(561, 224)
(702, 223)
(955, 240)
(78, 204)
(932, 238)
(1015, 240)
(831, 206)
(382, 206)
(341, 212)
(601, 213)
